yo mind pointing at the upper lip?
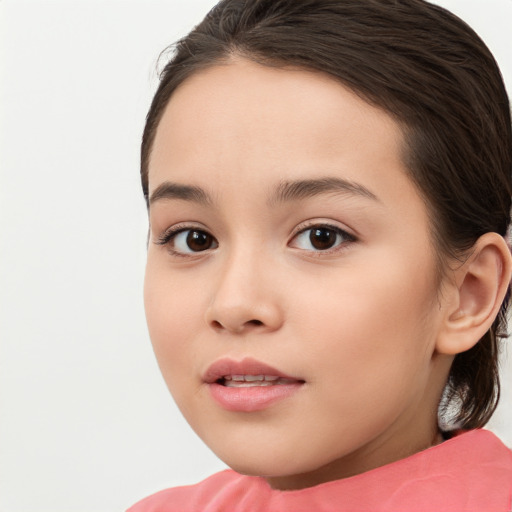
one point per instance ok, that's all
(246, 366)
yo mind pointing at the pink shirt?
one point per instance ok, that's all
(470, 472)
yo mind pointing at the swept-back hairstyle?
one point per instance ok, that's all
(428, 70)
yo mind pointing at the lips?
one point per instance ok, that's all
(248, 385)
(248, 370)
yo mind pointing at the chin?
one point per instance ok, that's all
(256, 466)
(268, 465)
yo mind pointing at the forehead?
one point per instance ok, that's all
(242, 112)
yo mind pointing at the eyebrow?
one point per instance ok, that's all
(286, 191)
(169, 190)
(302, 189)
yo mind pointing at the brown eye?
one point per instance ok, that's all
(198, 240)
(323, 238)
(188, 241)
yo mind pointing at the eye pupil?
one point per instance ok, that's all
(322, 238)
(198, 240)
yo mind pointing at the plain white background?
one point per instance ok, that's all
(86, 423)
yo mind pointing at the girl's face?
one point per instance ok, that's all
(290, 288)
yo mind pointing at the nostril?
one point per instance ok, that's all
(236, 327)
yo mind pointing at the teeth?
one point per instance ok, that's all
(243, 384)
(254, 378)
(247, 381)
(250, 378)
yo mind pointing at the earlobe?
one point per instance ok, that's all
(478, 289)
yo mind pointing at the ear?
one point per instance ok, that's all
(475, 294)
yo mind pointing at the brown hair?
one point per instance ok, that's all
(433, 75)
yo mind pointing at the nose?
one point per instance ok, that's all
(245, 297)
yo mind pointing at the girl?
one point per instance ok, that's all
(328, 185)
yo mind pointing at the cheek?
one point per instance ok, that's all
(373, 324)
(173, 318)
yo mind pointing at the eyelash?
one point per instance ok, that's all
(347, 238)
(171, 233)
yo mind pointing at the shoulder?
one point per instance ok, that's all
(470, 471)
(221, 488)
(480, 446)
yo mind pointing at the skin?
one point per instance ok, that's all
(359, 322)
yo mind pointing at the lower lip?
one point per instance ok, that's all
(255, 398)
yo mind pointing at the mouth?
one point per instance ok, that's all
(251, 381)
(246, 373)
(248, 385)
